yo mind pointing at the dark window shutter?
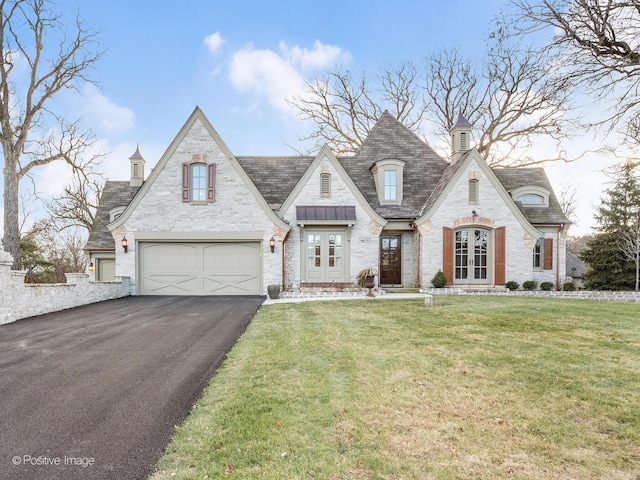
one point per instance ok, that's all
(447, 254)
(211, 183)
(185, 182)
(500, 239)
(548, 253)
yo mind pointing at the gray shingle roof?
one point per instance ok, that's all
(275, 177)
(389, 139)
(114, 194)
(512, 178)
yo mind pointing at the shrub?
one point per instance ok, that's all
(512, 285)
(439, 280)
(530, 285)
(547, 286)
(569, 287)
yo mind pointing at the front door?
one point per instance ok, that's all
(471, 256)
(325, 256)
(390, 260)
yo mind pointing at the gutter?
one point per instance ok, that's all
(560, 229)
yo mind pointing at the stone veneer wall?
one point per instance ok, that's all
(19, 300)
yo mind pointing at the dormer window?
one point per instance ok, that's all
(463, 141)
(531, 196)
(530, 199)
(388, 175)
(115, 213)
(390, 185)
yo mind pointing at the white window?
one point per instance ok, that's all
(198, 182)
(387, 175)
(531, 199)
(390, 185)
(537, 254)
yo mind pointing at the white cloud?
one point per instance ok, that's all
(214, 42)
(278, 76)
(111, 117)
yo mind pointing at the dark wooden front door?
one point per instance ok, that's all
(390, 260)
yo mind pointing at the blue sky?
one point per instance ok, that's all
(239, 60)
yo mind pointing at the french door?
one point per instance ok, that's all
(471, 256)
(326, 255)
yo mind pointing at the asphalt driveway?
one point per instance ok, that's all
(95, 392)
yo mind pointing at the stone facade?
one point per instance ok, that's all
(19, 300)
(362, 237)
(257, 200)
(492, 212)
(235, 211)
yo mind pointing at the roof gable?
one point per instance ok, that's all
(326, 153)
(114, 194)
(197, 116)
(389, 139)
(451, 176)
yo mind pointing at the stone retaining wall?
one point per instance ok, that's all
(581, 294)
(20, 300)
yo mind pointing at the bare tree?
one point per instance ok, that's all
(76, 207)
(568, 200)
(344, 110)
(57, 57)
(629, 243)
(596, 44)
(509, 99)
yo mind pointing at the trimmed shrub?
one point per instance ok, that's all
(530, 285)
(569, 287)
(512, 285)
(439, 280)
(547, 286)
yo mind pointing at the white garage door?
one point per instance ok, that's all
(200, 268)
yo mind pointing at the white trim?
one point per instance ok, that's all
(326, 153)
(168, 154)
(506, 197)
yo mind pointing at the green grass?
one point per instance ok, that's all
(472, 388)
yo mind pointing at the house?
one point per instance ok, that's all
(208, 222)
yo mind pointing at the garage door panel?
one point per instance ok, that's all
(200, 269)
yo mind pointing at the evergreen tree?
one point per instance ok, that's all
(607, 267)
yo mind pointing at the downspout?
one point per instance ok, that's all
(284, 260)
(418, 241)
(558, 286)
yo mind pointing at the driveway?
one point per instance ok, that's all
(95, 392)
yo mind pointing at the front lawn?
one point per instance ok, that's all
(472, 388)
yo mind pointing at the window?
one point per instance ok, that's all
(531, 199)
(390, 185)
(473, 191)
(198, 182)
(543, 254)
(537, 253)
(325, 184)
(531, 196)
(387, 175)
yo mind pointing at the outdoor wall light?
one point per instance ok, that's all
(125, 245)
(272, 244)
(91, 267)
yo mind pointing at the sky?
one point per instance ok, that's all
(240, 60)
